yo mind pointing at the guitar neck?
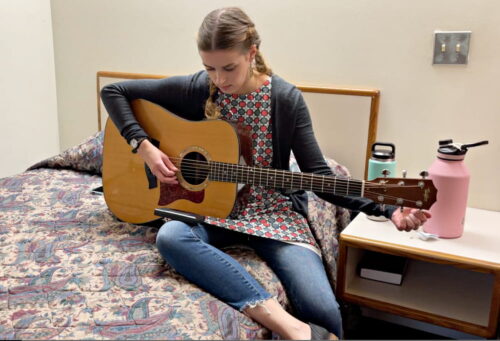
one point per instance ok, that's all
(268, 177)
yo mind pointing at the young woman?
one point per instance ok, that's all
(238, 86)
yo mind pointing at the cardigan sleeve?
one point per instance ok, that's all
(310, 160)
(181, 95)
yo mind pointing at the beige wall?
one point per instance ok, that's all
(384, 44)
(28, 114)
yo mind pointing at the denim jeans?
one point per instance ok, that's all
(194, 252)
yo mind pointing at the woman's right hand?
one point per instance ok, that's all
(158, 162)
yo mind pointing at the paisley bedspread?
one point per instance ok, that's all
(71, 270)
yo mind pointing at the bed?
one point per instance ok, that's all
(71, 270)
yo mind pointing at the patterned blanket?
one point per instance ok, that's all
(70, 270)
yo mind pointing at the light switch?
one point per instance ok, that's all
(451, 47)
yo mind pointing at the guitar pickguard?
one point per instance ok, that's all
(171, 193)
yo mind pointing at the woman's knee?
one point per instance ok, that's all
(172, 235)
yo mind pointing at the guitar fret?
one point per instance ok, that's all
(276, 178)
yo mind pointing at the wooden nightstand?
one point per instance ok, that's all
(454, 283)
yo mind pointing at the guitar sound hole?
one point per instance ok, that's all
(194, 168)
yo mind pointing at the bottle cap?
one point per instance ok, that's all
(383, 154)
(451, 150)
(455, 151)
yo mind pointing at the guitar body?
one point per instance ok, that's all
(132, 195)
(207, 155)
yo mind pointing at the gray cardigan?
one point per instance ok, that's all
(291, 128)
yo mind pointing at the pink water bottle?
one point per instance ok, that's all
(451, 178)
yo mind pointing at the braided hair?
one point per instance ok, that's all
(228, 28)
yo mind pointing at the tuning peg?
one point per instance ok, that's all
(386, 173)
(424, 174)
(421, 184)
(401, 183)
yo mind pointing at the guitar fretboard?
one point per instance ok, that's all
(268, 177)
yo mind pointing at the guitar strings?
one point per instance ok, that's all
(277, 173)
(218, 170)
(191, 168)
(329, 189)
(338, 189)
(285, 178)
(281, 173)
(241, 171)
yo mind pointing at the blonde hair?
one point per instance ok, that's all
(228, 28)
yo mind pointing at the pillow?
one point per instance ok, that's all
(85, 157)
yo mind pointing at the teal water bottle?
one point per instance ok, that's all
(381, 164)
(382, 159)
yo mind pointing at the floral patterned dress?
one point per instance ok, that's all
(265, 212)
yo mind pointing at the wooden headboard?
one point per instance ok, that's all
(368, 116)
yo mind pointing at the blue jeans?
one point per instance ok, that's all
(194, 252)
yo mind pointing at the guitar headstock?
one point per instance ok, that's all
(416, 193)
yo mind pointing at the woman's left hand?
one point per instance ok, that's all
(409, 218)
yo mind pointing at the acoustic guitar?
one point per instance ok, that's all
(213, 158)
